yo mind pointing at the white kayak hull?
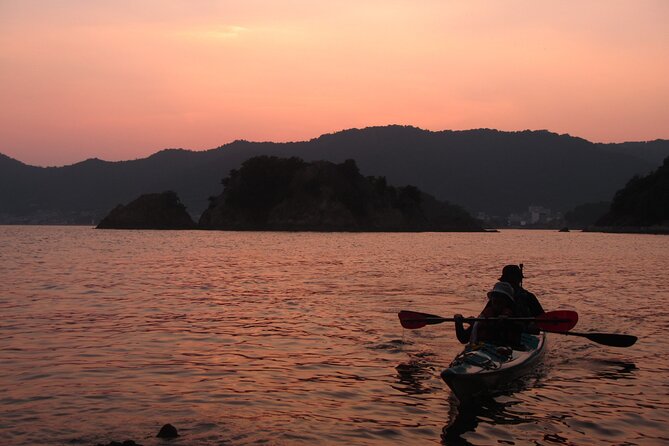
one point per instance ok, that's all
(482, 370)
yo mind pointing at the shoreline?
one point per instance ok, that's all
(649, 230)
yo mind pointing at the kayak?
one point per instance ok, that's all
(483, 368)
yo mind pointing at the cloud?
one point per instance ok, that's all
(212, 33)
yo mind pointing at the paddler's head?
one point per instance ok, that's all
(502, 289)
(501, 298)
(512, 274)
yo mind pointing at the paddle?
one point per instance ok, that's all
(611, 339)
(555, 321)
(559, 322)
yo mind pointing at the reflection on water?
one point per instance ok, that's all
(506, 407)
(414, 375)
(293, 338)
(494, 410)
(466, 418)
(612, 369)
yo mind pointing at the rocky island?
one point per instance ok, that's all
(150, 211)
(289, 194)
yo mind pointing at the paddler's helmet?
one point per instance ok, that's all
(512, 273)
(502, 288)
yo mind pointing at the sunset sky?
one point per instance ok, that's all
(122, 79)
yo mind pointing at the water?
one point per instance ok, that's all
(293, 338)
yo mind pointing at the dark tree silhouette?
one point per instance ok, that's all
(644, 201)
(290, 194)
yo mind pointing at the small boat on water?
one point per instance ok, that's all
(481, 369)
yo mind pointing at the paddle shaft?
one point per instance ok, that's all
(561, 320)
(610, 339)
(436, 319)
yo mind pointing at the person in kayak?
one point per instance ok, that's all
(526, 303)
(501, 303)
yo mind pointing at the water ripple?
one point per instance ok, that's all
(252, 338)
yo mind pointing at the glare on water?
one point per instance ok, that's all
(293, 338)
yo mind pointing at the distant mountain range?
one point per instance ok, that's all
(482, 170)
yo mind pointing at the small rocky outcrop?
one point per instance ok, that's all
(270, 193)
(150, 211)
(168, 431)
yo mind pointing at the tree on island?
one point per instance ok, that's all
(271, 193)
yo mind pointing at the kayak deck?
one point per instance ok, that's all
(483, 368)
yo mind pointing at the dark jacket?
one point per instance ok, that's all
(498, 332)
(527, 304)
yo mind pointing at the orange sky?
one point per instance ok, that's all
(121, 79)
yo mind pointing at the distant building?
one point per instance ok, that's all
(534, 216)
(539, 215)
(517, 219)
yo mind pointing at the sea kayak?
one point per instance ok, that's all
(483, 368)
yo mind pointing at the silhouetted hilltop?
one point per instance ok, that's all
(149, 211)
(482, 170)
(642, 203)
(271, 193)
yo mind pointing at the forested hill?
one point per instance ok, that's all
(482, 170)
(642, 203)
(270, 193)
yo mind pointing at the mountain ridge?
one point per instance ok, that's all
(613, 145)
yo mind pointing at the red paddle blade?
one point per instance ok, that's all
(413, 319)
(559, 321)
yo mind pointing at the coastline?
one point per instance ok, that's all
(650, 230)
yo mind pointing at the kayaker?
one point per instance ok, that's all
(501, 303)
(526, 303)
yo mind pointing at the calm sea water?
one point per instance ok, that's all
(293, 338)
